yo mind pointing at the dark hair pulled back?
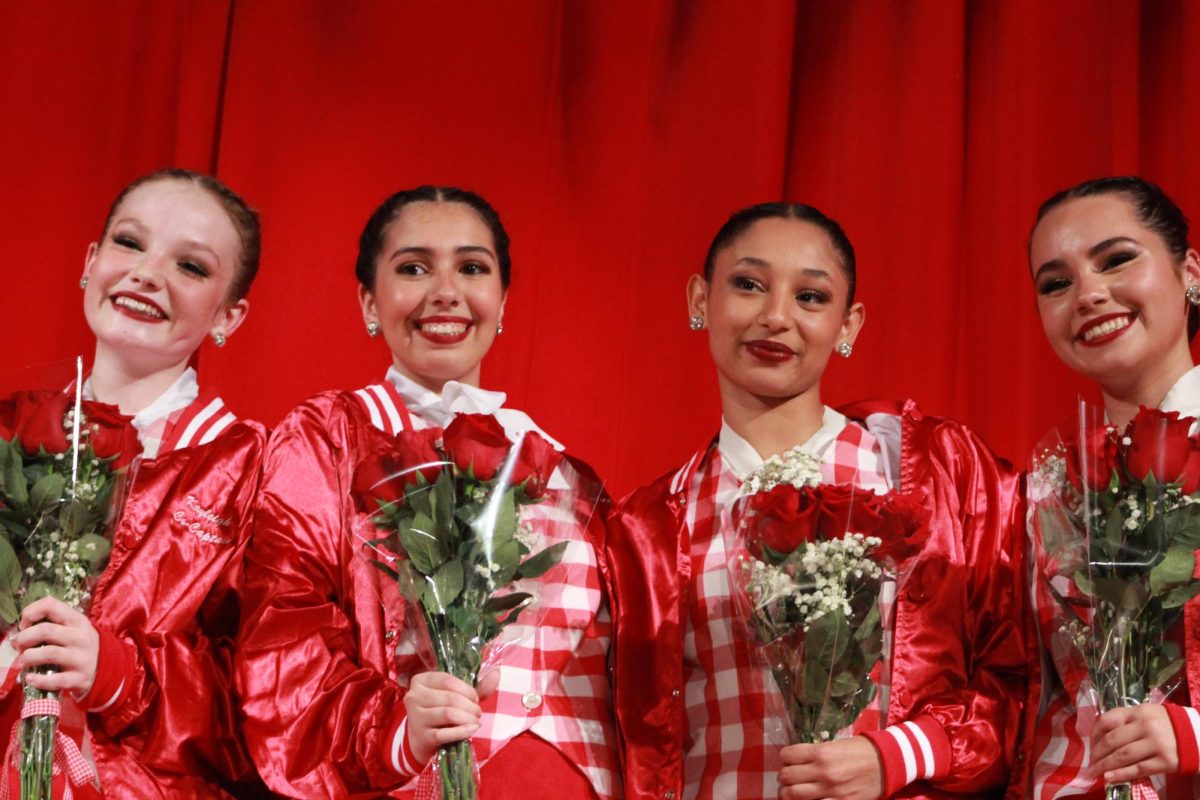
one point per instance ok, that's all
(370, 242)
(740, 221)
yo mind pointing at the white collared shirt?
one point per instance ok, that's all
(1184, 396)
(743, 459)
(151, 421)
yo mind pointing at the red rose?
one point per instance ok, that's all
(782, 518)
(1190, 479)
(901, 528)
(476, 442)
(535, 461)
(1159, 445)
(38, 421)
(1095, 460)
(378, 478)
(418, 454)
(111, 433)
(836, 503)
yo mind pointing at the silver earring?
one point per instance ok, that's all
(219, 339)
(372, 329)
(1193, 294)
(696, 322)
(83, 282)
(500, 327)
(845, 349)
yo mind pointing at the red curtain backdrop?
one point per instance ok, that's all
(614, 138)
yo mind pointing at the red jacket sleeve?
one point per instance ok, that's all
(163, 713)
(322, 712)
(977, 520)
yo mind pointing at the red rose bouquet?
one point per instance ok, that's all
(61, 473)
(470, 526)
(814, 573)
(1115, 525)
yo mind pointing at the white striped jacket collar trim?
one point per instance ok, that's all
(208, 423)
(386, 414)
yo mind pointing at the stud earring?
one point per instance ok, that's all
(845, 349)
(696, 322)
(219, 339)
(372, 329)
(1193, 294)
(500, 327)
(83, 282)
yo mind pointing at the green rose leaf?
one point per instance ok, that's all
(536, 565)
(16, 485)
(421, 544)
(448, 583)
(506, 558)
(497, 603)
(46, 492)
(38, 590)
(1176, 568)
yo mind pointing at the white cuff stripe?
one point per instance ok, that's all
(112, 699)
(1194, 717)
(398, 759)
(198, 421)
(218, 426)
(369, 402)
(906, 750)
(926, 747)
(389, 408)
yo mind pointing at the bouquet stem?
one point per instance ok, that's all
(1122, 791)
(37, 750)
(457, 771)
(453, 650)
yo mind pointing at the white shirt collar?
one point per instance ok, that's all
(150, 421)
(180, 394)
(1184, 396)
(456, 398)
(743, 459)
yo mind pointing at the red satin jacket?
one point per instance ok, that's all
(318, 673)
(960, 647)
(169, 599)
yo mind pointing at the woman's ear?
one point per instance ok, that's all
(697, 297)
(856, 315)
(366, 299)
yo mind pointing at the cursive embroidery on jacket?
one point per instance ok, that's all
(205, 524)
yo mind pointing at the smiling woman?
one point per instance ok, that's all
(1118, 286)
(336, 699)
(175, 259)
(695, 706)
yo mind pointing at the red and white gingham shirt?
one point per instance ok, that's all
(553, 662)
(734, 711)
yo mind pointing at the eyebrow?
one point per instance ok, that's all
(1092, 252)
(428, 251)
(754, 261)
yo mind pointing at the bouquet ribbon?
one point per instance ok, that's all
(79, 771)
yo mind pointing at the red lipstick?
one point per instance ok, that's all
(443, 329)
(1104, 338)
(136, 306)
(768, 351)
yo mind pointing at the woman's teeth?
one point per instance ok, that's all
(444, 328)
(139, 307)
